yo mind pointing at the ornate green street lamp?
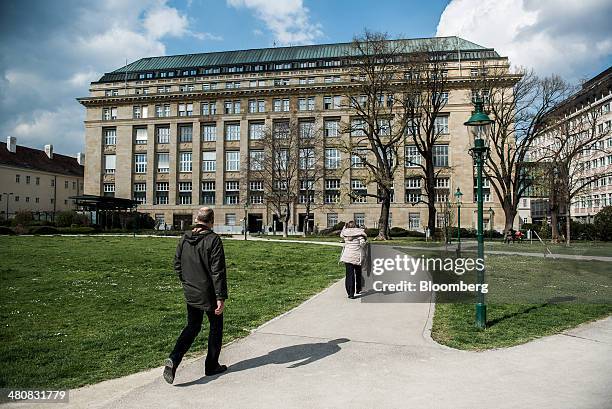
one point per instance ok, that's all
(477, 126)
(458, 195)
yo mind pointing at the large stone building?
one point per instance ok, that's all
(39, 181)
(175, 133)
(588, 111)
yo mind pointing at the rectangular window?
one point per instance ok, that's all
(161, 192)
(140, 111)
(332, 128)
(307, 158)
(162, 110)
(230, 219)
(441, 125)
(185, 164)
(332, 158)
(232, 161)
(359, 219)
(209, 162)
(261, 105)
(331, 102)
(440, 155)
(163, 162)
(232, 192)
(163, 134)
(109, 189)
(232, 131)
(140, 136)
(110, 136)
(256, 130)
(332, 220)
(185, 109)
(358, 158)
(281, 129)
(109, 114)
(184, 193)
(140, 193)
(358, 127)
(110, 162)
(256, 161)
(359, 191)
(185, 133)
(413, 183)
(209, 132)
(208, 192)
(414, 221)
(209, 108)
(306, 129)
(140, 163)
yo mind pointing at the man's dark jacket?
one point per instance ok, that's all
(200, 265)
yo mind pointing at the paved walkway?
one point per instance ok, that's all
(334, 352)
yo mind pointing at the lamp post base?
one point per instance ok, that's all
(481, 316)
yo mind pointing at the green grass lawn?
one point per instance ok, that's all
(529, 298)
(585, 248)
(76, 311)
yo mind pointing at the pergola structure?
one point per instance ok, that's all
(105, 208)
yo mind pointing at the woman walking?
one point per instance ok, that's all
(354, 239)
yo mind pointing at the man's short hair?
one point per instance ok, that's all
(205, 215)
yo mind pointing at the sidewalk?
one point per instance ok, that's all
(334, 352)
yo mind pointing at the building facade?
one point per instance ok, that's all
(178, 132)
(38, 181)
(588, 108)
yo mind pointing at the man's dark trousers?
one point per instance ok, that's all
(353, 278)
(195, 317)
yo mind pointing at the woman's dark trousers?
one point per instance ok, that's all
(195, 317)
(353, 279)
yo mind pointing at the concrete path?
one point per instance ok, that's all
(332, 352)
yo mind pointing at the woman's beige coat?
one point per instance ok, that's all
(354, 239)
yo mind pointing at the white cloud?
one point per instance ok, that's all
(288, 20)
(165, 21)
(42, 71)
(552, 36)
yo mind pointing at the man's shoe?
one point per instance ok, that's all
(169, 371)
(219, 369)
(352, 297)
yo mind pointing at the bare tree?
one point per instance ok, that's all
(285, 163)
(424, 95)
(571, 145)
(311, 169)
(518, 103)
(274, 166)
(377, 125)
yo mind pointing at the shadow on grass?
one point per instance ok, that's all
(554, 300)
(300, 355)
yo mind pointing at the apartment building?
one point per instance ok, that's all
(39, 181)
(585, 111)
(179, 132)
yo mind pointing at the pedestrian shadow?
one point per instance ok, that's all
(298, 355)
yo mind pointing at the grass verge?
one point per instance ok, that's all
(76, 311)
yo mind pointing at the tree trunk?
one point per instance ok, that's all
(567, 225)
(286, 221)
(554, 225)
(510, 215)
(306, 219)
(383, 221)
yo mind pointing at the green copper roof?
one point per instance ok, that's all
(279, 54)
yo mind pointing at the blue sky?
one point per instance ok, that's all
(51, 50)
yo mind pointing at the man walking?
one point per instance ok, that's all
(200, 265)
